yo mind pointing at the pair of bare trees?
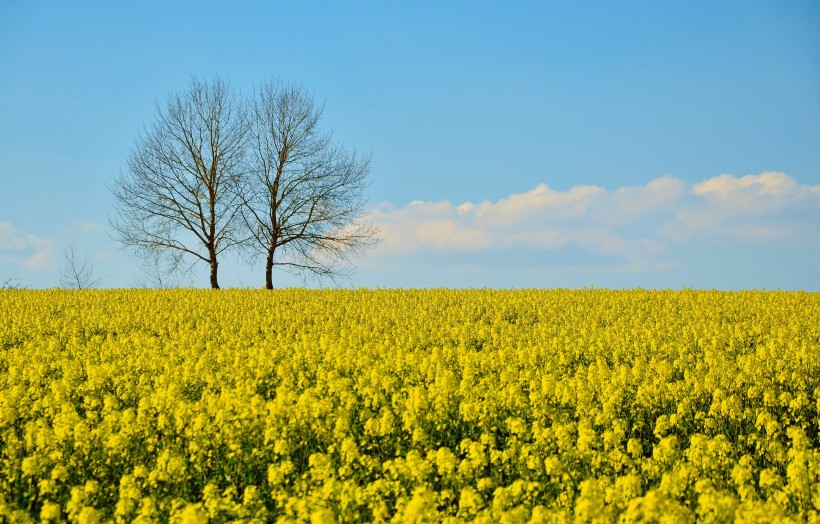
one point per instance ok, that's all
(216, 172)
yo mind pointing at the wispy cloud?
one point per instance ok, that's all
(85, 226)
(39, 260)
(30, 251)
(12, 240)
(633, 226)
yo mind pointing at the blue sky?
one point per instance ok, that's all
(534, 144)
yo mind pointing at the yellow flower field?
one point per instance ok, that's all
(409, 406)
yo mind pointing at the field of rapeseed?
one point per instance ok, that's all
(439, 405)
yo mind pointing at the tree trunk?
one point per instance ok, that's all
(214, 266)
(269, 270)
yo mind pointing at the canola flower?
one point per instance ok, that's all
(409, 406)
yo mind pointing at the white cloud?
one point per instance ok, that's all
(635, 225)
(763, 193)
(31, 251)
(426, 225)
(768, 207)
(540, 201)
(627, 205)
(12, 240)
(541, 219)
(39, 260)
(548, 239)
(86, 226)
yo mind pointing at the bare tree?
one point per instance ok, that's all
(178, 199)
(302, 201)
(77, 272)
